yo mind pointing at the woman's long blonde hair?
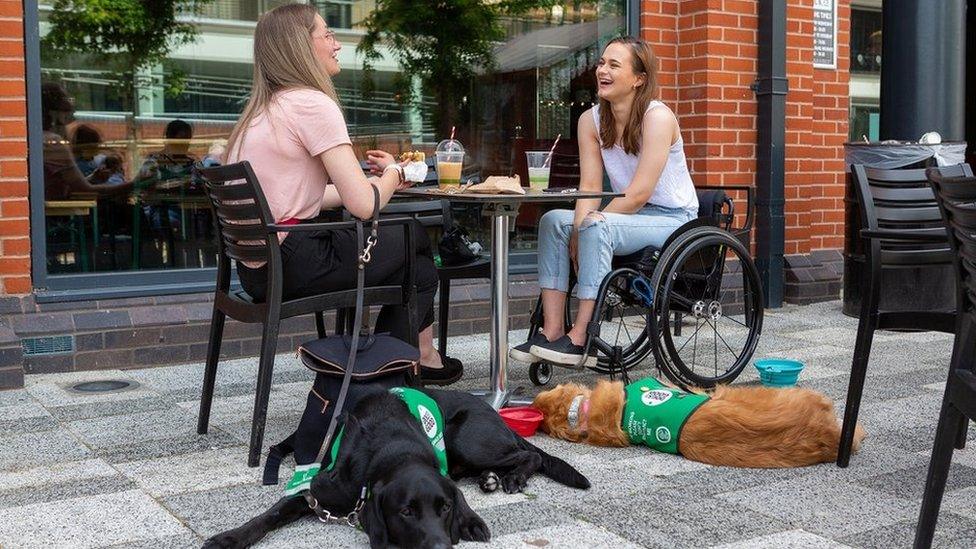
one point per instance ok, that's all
(283, 59)
(644, 62)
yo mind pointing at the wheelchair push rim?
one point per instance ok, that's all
(711, 282)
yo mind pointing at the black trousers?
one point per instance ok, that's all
(316, 262)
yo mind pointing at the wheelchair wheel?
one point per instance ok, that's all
(708, 278)
(540, 373)
(623, 322)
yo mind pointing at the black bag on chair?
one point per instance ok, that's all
(346, 369)
(457, 248)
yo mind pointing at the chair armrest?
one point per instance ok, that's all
(275, 228)
(890, 234)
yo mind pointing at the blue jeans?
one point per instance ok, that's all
(601, 236)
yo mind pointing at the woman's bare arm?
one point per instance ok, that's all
(351, 184)
(591, 166)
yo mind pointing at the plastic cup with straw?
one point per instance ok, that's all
(539, 163)
(450, 158)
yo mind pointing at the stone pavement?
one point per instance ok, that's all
(128, 470)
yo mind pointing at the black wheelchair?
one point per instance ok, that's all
(696, 303)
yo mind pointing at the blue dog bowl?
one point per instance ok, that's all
(778, 372)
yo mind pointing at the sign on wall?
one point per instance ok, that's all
(825, 34)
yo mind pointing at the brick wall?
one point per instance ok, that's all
(707, 51)
(14, 222)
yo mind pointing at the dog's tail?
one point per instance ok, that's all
(557, 469)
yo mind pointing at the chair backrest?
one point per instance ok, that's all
(902, 200)
(241, 212)
(564, 170)
(956, 197)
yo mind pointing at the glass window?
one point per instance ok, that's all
(120, 185)
(865, 40)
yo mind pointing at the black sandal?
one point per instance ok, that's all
(451, 371)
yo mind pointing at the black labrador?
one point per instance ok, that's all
(410, 504)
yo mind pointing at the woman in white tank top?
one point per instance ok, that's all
(636, 139)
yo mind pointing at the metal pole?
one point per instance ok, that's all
(923, 81)
(499, 305)
(771, 88)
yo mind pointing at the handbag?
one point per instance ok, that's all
(456, 248)
(347, 367)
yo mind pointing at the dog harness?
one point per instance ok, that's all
(654, 414)
(422, 408)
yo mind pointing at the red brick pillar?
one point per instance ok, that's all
(15, 248)
(14, 209)
(707, 51)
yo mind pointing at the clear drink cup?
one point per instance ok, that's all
(539, 165)
(449, 169)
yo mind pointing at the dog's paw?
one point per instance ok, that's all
(488, 482)
(225, 540)
(514, 483)
(475, 529)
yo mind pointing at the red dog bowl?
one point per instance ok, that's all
(524, 420)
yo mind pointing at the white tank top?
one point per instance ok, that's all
(674, 189)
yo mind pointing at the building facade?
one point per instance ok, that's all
(95, 282)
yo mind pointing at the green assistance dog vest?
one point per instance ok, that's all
(654, 413)
(422, 408)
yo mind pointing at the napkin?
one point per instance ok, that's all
(498, 184)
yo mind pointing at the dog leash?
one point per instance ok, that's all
(352, 518)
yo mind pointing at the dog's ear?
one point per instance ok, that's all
(465, 523)
(372, 519)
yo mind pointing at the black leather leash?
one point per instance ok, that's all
(364, 257)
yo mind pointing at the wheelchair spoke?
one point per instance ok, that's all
(727, 346)
(743, 324)
(685, 344)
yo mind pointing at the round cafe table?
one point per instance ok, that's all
(502, 208)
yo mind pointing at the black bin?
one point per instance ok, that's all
(908, 289)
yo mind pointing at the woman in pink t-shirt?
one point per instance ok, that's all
(293, 133)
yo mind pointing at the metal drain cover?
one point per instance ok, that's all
(103, 386)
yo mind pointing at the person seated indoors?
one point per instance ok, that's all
(62, 176)
(98, 165)
(294, 135)
(637, 140)
(174, 165)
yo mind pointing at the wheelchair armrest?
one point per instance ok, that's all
(750, 201)
(908, 236)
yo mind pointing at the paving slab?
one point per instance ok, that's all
(95, 521)
(790, 539)
(25, 450)
(952, 532)
(191, 472)
(576, 534)
(101, 432)
(829, 509)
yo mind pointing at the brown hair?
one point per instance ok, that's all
(644, 62)
(283, 59)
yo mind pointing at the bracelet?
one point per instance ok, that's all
(399, 171)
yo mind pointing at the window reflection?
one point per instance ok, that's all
(141, 205)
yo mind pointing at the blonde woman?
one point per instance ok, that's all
(293, 133)
(636, 139)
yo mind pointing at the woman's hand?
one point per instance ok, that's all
(574, 249)
(378, 160)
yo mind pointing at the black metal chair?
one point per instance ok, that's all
(902, 229)
(247, 232)
(438, 214)
(956, 197)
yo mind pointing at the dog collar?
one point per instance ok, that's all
(573, 415)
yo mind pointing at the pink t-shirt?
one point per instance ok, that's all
(283, 144)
